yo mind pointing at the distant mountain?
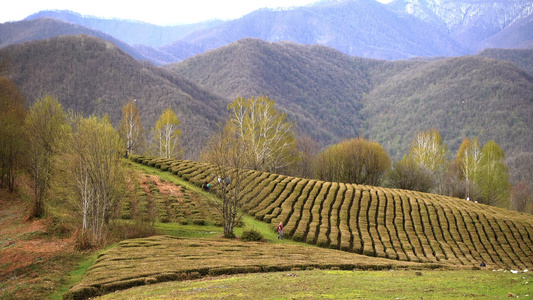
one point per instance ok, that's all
(131, 32)
(93, 76)
(473, 23)
(399, 30)
(24, 31)
(364, 28)
(517, 35)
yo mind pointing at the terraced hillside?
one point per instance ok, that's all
(387, 223)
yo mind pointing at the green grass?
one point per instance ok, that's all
(336, 284)
(75, 275)
(189, 231)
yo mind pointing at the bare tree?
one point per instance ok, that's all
(269, 139)
(226, 153)
(522, 198)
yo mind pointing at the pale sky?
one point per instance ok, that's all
(160, 12)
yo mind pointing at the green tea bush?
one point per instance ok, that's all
(251, 235)
(201, 222)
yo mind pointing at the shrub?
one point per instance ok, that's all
(198, 222)
(251, 235)
(81, 292)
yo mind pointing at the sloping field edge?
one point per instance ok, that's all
(157, 259)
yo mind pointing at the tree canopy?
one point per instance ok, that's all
(268, 138)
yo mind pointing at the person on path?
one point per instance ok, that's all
(280, 231)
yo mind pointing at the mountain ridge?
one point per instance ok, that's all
(399, 30)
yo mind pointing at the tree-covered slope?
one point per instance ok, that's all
(318, 87)
(322, 89)
(522, 58)
(460, 97)
(328, 94)
(93, 76)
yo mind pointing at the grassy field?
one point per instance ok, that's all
(428, 243)
(337, 284)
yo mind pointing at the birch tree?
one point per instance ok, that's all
(269, 139)
(95, 173)
(468, 161)
(428, 151)
(45, 126)
(166, 134)
(493, 176)
(131, 129)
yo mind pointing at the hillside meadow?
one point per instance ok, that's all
(388, 223)
(415, 238)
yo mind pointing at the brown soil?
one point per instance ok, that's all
(25, 247)
(164, 187)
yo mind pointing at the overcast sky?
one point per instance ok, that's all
(161, 12)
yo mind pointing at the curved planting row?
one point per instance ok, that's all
(389, 223)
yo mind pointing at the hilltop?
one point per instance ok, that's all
(92, 76)
(522, 58)
(318, 87)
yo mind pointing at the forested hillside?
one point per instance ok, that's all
(330, 95)
(389, 102)
(522, 58)
(93, 76)
(461, 97)
(318, 87)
